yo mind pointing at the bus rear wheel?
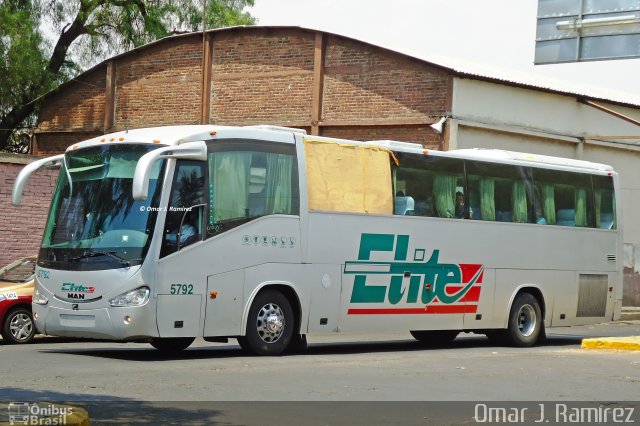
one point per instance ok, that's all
(525, 321)
(435, 338)
(171, 345)
(269, 325)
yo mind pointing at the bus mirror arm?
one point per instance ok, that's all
(27, 171)
(185, 151)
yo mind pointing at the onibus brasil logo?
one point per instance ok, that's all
(414, 287)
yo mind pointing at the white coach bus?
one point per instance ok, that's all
(266, 234)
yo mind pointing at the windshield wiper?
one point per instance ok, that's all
(94, 253)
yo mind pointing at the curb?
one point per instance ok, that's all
(629, 343)
(630, 315)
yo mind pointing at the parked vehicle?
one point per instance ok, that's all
(16, 291)
(267, 234)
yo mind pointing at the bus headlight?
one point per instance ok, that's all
(2, 298)
(39, 298)
(137, 297)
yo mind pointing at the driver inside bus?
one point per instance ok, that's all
(188, 233)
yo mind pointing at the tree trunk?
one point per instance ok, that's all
(18, 113)
(13, 120)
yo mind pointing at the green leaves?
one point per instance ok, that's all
(78, 34)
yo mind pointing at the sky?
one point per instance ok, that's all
(499, 34)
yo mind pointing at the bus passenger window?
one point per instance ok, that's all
(605, 202)
(566, 198)
(499, 192)
(248, 180)
(434, 184)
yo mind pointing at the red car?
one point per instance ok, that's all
(16, 291)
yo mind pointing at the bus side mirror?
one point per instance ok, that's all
(23, 176)
(185, 151)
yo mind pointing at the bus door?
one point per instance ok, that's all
(181, 283)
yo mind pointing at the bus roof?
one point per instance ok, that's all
(175, 135)
(495, 155)
(503, 156)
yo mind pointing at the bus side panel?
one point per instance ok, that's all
(484, 314)
(225, 304)
(591, 299)
(325, 282)
(550, 283)
(387, 316)
(393, 270)
(179, 315)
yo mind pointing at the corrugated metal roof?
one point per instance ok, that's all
(533, 81)
(465, 68)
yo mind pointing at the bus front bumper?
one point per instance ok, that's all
(134, 323)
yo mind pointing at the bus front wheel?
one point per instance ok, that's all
(269, 325)
(525, 321)
(172, 344)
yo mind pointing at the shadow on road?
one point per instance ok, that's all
(112, 410)
(122, 352)
(109, 409)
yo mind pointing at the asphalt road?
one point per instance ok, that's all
(106, 376)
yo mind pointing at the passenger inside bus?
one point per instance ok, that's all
(459, 205)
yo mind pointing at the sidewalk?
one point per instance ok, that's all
(630, 313)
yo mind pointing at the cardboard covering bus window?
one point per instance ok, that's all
(348, 178)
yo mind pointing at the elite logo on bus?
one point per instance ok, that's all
(437, 288)
(76, 291)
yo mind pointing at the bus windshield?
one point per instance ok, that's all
(94, 222)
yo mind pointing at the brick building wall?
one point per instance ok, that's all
(21, 228)
(364, 82)
(262, 77)
(159, 86)
(257, 75)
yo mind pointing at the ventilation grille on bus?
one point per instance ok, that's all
(592, 295)
(611, 258)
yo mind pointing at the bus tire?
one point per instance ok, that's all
(298, 345)
(172, 345)
(18, 327)
(497, 337)
(435, 338)
(525, 321)
(269, 325)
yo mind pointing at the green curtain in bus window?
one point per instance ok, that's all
(581, 207)
(549, 204)
(278, 184)
(444, 191)
(230, 173)
(487, 199)
(519, 201)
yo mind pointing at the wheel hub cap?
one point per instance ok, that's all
(526, 320)
(270, 323)
(21, 327)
